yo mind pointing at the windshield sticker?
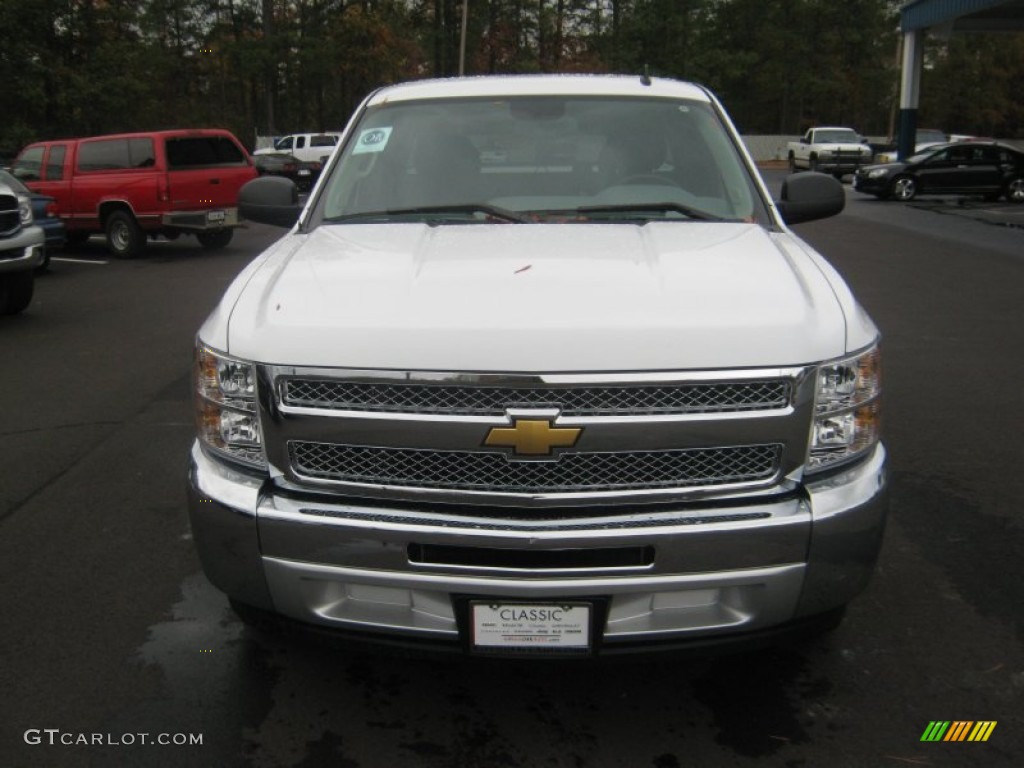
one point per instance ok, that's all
(372, 140)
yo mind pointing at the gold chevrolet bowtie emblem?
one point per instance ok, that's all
(532, 437)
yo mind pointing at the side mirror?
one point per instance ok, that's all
(270, 200)
(809, 196)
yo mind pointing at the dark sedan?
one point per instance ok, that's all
(983, 168)
(44, 211)
(303, 173)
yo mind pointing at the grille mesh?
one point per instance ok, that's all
(579, 472)
(10, 218)
(609, 400)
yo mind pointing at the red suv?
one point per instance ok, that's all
(128, 186)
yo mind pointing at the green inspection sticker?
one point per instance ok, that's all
(372, 140)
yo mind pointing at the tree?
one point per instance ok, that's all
(971, 85)
(80, 67)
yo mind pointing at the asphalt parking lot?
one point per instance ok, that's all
(1000, 214)
(110, 628)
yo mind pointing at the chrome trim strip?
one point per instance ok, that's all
(538, 379)
(470, 526)
(534, 588)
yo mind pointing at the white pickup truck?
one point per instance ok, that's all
(832, 150)
(310, 147)
(22, 250)
(540, 368)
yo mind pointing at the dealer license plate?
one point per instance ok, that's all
(215, 217)
(530, 627)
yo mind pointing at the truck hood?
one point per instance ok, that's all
(535, 298)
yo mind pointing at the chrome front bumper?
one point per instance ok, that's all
(715, 570)
(22, 251)
(841, 165)
(201, 221)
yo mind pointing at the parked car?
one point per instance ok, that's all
(21, 251)
(982, 168)
(130, 186)
(303, 172)
(44, 211)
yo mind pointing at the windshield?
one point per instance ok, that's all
(14, 183)
(926, 153)
(836, 137)
(539, 159)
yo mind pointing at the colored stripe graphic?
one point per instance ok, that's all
(982, 730)
(958, 730)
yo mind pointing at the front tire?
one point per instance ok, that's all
(1015, 190)
(216, 239)
(904, 188)
(16, 290)
(125, 238)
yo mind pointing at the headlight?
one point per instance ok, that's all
(878, 173)
(847, 410)
(25, 211)
(227, 420)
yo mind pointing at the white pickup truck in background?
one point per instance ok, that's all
(830, 150)
(311, 147)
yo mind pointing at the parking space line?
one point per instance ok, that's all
(78, 261)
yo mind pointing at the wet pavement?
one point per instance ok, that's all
(1001, 213)
(109, 627)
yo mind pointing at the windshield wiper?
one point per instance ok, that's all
(492, 211)
(690, 213)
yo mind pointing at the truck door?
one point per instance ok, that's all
(114, 170)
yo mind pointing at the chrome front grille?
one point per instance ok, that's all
(572, 472)
(482, 400)
(496, 439)
(10, 217)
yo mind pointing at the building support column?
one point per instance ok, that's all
(910, 90)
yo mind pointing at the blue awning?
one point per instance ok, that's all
(964, 15)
